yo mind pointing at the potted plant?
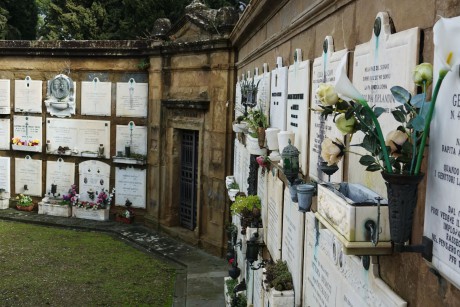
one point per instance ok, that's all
(240, 125)
(55, 206)
(127, 215)
(233, 190)
(94, 210)
(229, 180)
(278, 282)
(258, 122)
(24, 203)
(399, 156)
(248, 208)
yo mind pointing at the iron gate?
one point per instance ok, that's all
(188, 178)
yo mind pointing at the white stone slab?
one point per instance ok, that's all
(298, 101)
(54, 209)
(28, 172)
(130, 183)
(258, 293)
(323, 71)
(236, 161)
(335, 279)
(135, 137)
(263, 92)
(60, 173)
(79, 135)
(132, 99)
(262, 192)
(245, 162)
(293, 241)
(93, 175)
(278, 97)
(442, 208)
(5, 179)
(96, 215)
(28, 95)
(96, 98)
(238, 106)
(275, 215)
(5, 138)
(381, 63)
(28, 128)
(5, 104)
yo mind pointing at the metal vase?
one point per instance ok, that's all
(402, 200)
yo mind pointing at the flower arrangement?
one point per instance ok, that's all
(128, 213)
(17, 141)
(71, 198)
(23, 200)
(402, 150)
(103, 200)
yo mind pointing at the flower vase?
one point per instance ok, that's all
(402, 200)
(261, 136)
(305, 195)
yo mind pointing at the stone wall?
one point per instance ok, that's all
(270, 29)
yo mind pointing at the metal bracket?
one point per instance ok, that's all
(426, 248)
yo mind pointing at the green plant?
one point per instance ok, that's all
(277, 276)
(240, 118)
(234, 186)
(257, 119)
(231, 283)
(240, 301)
(244, 204)
(23, 200)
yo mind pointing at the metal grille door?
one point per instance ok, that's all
(188, 178)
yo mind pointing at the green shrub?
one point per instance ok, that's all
(278, 276)
(244, 204)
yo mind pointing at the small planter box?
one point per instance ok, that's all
(4, 203)
(54, 209)
(279, 298)
(27, 148)
(125, 160)
(345, 212)
(124, 220)
(89, 214)
(252, 144)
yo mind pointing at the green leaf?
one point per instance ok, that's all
(399, 116)
(370, 144)
(379, 111)
(367, 160)
(418, 100)
(400, 94)
(373, 168)
(418, 123)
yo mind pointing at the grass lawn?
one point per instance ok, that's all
(48, 266)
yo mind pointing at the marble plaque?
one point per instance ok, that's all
(5, 181)
(442, 207)
(323, 71)
(258, 293)
(5, 138)
(96, 97)
(278, 97)
(5, 107)
(332, 278)
(383, 62)
(130, 183)
(293, 241)
(236, 161)
(94, 175)
(132, 99)
(79, 135)
(135, 137)
(275, 215)
(262, 192)
(60, 173)
(28, 95)
(27, 129)
(298, 101)
(238, 106)
(28, 176)
(263, 91)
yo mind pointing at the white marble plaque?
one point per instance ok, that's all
(263, 92)
(60, 173)
(5, 107)
(335, 279)
(298, 101)
(258, 293)
(130, 183)
(293, 241)
(96, 98)
(383, 62)
(28, 176)
(5, 138)
(238, 106)
(324, 69)
(132, 99)
(262, 192)
(136, 137)
(94, 175)
(442, 208)
(278, 97)
(28, 95)
(79, 135)
(5, 181)
(27, 129)
(275, 215)
(236, 161)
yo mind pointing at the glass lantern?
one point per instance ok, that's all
(290, 158)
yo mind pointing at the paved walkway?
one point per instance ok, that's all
(199, 279)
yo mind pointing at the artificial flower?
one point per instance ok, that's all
(395, 140)
(345, 126)
(423, 74)
(343, 85)
(327, 94)
(332, 151)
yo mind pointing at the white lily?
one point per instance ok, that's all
(443, 31)
(343, 85)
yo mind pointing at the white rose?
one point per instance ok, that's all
(423, 72)
(332, 151)
(326, 94)
(395, 139)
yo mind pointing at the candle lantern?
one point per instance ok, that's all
(290, 158)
